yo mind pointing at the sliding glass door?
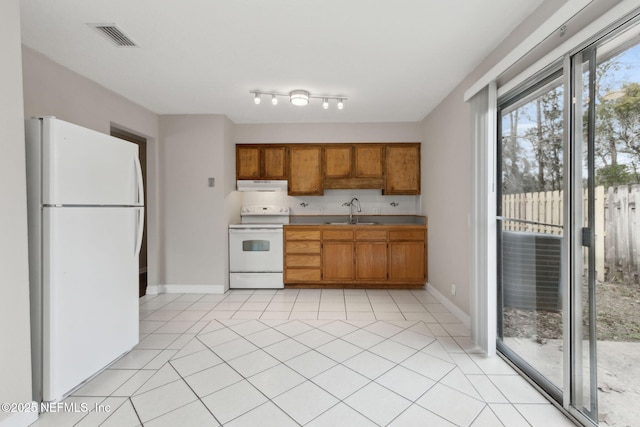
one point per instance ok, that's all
(606, 258)
(568, 239)
(531, 230)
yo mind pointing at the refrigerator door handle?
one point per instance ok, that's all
(139, 180)
(139, 231)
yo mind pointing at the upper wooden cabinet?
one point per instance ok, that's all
(247, 162)
(350, 166)
(261, 162)
(305, 170)
(274, 162)
(402, 169)
(353, 160)
(311, 168)
(338, 161)
(368, 160)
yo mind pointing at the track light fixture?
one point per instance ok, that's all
(299, 97)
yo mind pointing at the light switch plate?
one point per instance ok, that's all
(212, 182)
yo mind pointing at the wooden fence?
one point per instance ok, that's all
(616, 226)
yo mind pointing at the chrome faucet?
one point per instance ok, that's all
(350, 204)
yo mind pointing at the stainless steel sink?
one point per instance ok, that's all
(348, 223)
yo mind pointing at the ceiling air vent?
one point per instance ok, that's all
(114, 34)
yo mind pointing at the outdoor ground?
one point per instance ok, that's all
(618, 316)
(536, 335)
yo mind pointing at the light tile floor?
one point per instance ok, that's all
(304, 358)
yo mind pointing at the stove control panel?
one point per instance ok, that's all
(264, 210)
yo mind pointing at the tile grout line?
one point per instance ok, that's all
(358, 328)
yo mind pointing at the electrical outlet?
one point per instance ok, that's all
(453, 289)
(212, 182)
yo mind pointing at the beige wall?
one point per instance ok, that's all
(446, 172)
(446, 178)
(53, 90)
(195, 148)
(15, 355)
(328, 132)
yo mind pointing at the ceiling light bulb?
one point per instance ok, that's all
(325, 103)
(299, 98)
(256, 98)
(340, 104)
(274, 100)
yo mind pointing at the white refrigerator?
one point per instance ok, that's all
(86, 213)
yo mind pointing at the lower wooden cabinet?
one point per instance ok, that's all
(302, 256)
(405, 261)
(371, 261)
(337, 261)
(355, 256)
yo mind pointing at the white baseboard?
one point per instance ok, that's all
(185, 289)
(20, 419)
(461, 315)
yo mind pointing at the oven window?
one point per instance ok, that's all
(255, 245)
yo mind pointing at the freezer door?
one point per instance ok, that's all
(84, 167)
(90, 293)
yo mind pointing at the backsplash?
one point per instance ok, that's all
(372, 202)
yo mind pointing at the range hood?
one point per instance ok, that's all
(261, 185)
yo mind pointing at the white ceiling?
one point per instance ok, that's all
(394, 60)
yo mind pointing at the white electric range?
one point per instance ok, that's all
(256, 248)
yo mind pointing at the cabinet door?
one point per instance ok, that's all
(368, 161)
(274, 160)
(402, 164)
(371, 261)
(247, 162)
(337, 261)
(337, 161)
(305, 171)
(407, 261)
(302, 256)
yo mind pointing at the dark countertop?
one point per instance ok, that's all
(364, 219)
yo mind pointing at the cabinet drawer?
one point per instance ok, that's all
(395, 235)
(337, 235)
(371, 235)
(302, 275)
(302, 247)
(303, 261)
(302, 235)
